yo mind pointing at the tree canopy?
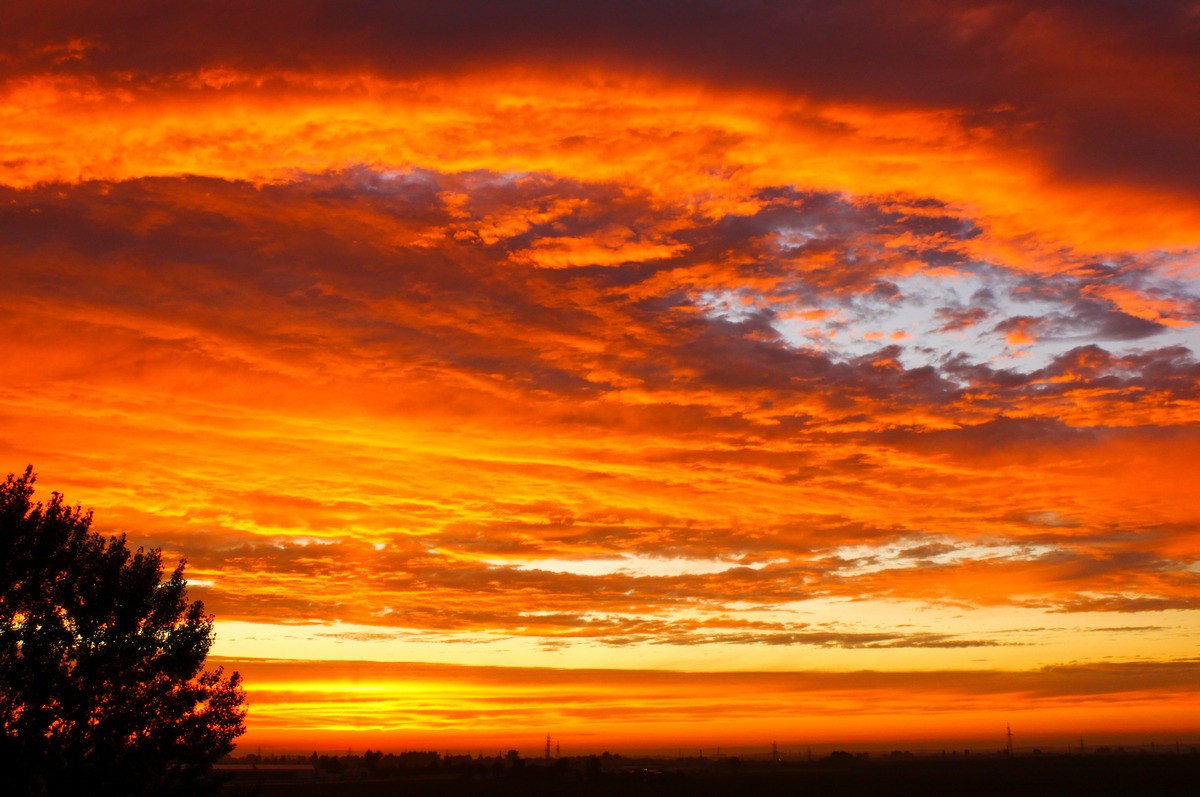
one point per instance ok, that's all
(102, 680)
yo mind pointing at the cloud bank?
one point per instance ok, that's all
(699, 337)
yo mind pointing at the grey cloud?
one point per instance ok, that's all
(955, 319)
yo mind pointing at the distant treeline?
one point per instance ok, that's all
(429, 760)
(430, 774)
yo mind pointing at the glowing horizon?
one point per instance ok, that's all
(865, 354)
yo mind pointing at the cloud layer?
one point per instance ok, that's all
(859, 331)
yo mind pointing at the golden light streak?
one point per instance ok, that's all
(630, 710)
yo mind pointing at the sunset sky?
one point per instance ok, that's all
(646, 374)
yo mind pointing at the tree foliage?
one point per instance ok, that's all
(102, 681)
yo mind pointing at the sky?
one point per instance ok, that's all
(650, 375)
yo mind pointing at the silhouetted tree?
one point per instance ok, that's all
(102, 686)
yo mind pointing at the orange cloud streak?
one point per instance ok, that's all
(334, 704)
(589, 126)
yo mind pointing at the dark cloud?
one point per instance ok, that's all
(851, 641)
(1089, 320)
(1136, 629)
(955, 319)
(928, 551)
(998, 434)
(1102, 88)
(1172, 370)
(1124, 603)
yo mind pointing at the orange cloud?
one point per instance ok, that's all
(268, 127)
(566, 346)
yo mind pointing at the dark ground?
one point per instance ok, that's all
(1032, 776)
